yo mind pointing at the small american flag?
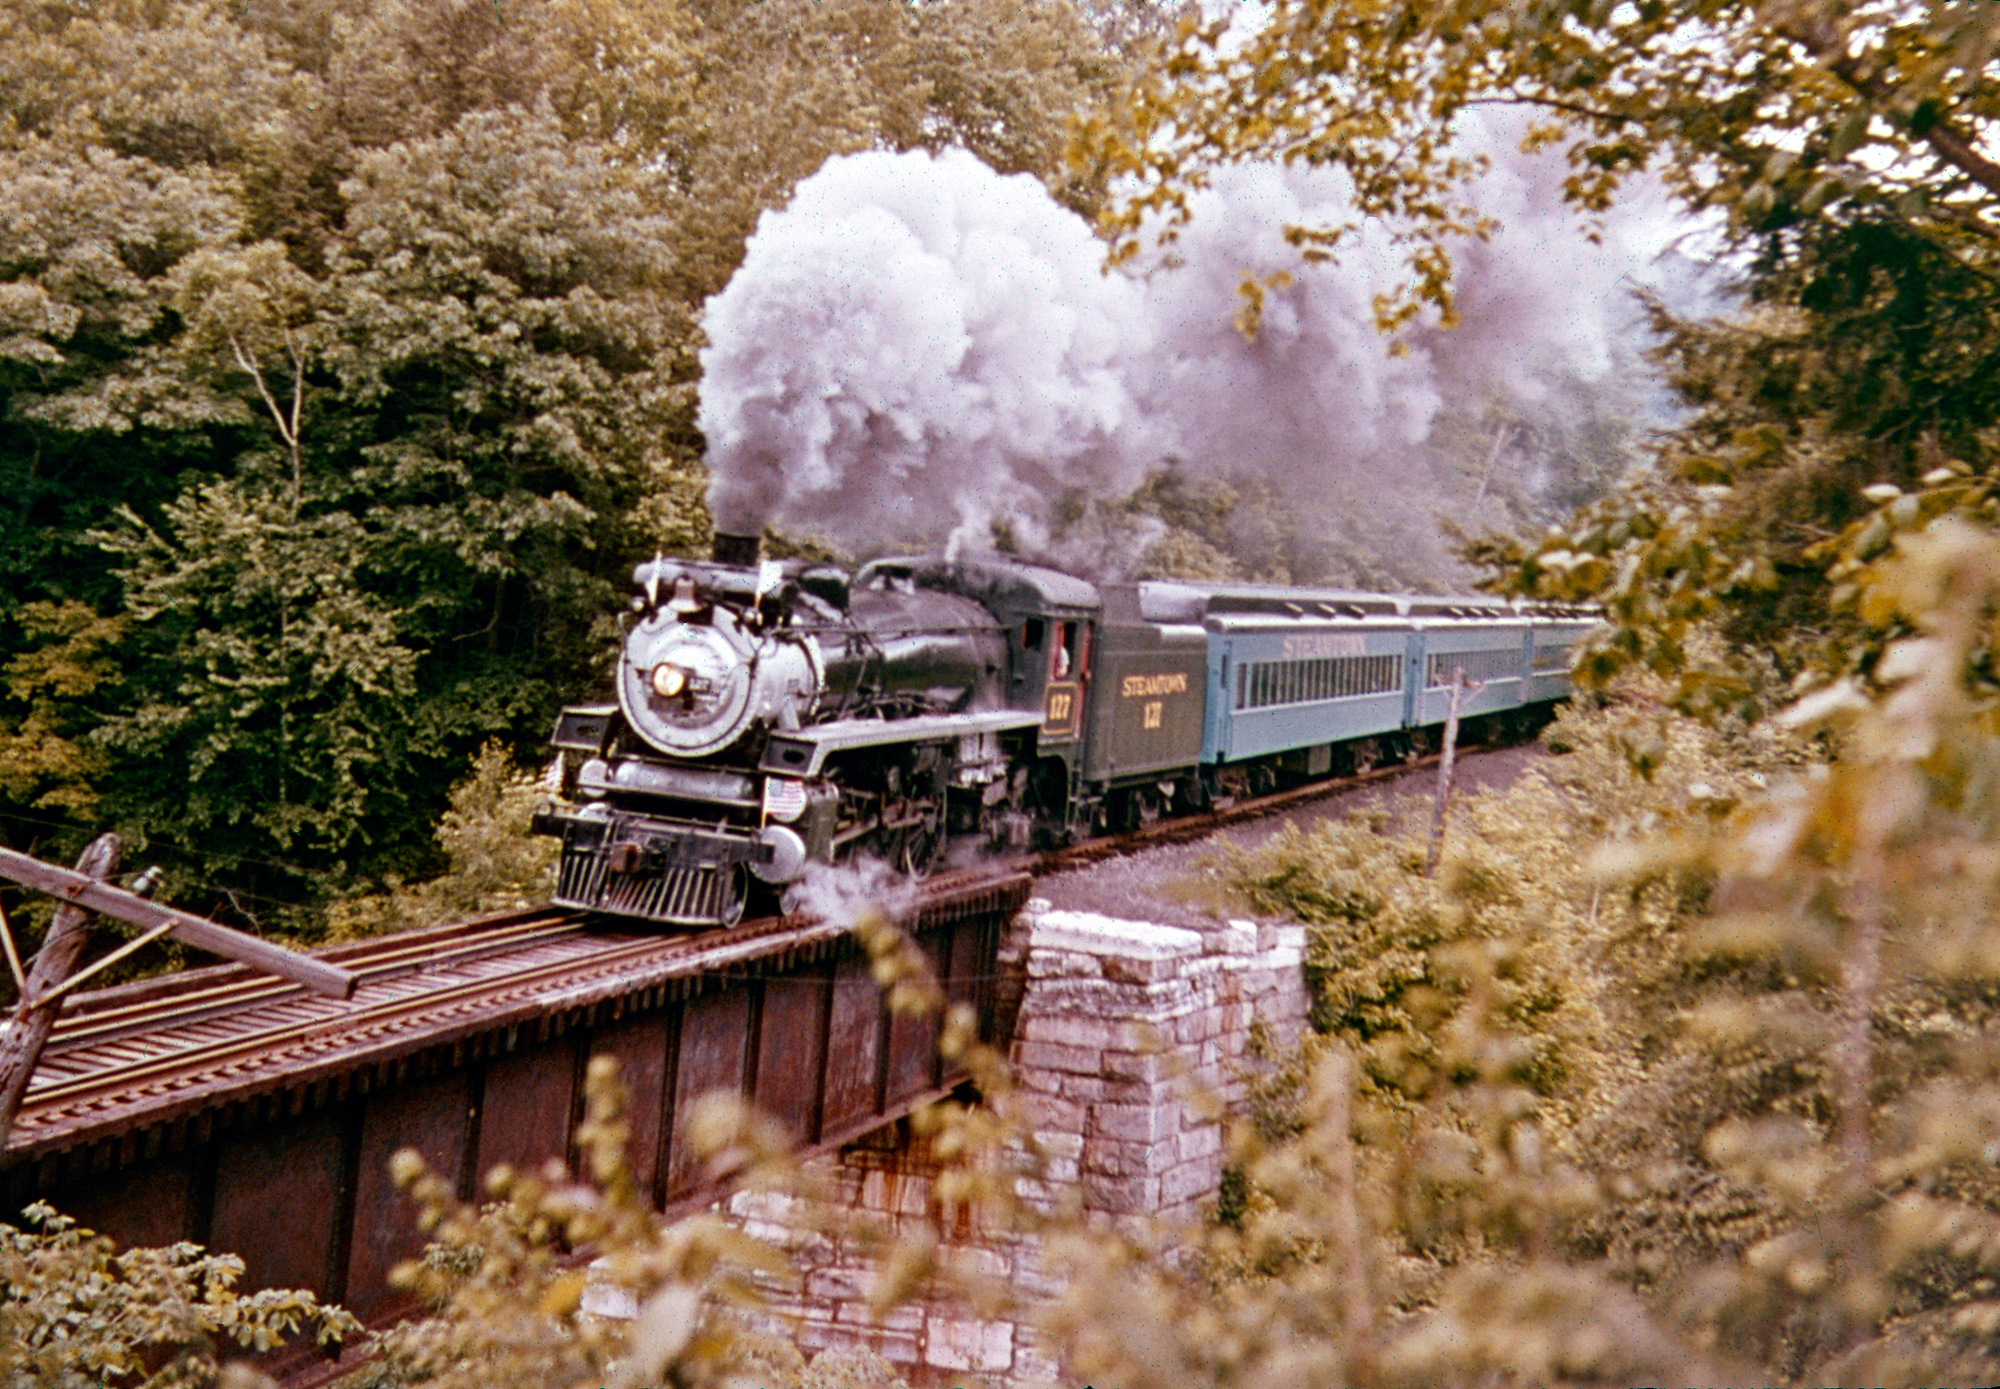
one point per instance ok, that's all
(784, 798)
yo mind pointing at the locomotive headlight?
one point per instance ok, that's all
(692, 689)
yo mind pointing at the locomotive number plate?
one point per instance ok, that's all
(1062, 713)
(1151, 691)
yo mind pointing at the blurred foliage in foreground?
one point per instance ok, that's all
(74, 1312)
(510, 1299)
(1713, 1105)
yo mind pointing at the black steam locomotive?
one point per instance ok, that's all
(772, 714)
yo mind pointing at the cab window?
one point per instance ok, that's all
(1066, 657)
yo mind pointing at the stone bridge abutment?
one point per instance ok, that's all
(1131, 1045)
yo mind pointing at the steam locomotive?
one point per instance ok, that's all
(770, 714)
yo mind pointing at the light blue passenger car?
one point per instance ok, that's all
(1303, 682)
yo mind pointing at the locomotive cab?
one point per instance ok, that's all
(1050, 623)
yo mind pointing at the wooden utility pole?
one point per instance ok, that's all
(35, 1016)
(1445, 764)
(203, 934)
(84, 895)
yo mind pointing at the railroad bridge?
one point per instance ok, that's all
(196, 1105)
(241, 1112)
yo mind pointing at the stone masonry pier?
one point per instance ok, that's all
(1131, 1043)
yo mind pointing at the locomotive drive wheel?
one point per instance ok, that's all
(920, 847)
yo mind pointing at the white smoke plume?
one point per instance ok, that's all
(916, 346)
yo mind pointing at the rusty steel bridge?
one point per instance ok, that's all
(245, 1113)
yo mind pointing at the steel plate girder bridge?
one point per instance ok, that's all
(248, 1114)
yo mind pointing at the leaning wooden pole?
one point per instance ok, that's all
(35, 1016)
(331, 981)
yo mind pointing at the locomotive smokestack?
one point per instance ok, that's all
(737, 551)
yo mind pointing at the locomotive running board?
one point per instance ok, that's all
(803, 752)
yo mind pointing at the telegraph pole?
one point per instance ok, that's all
(85, 894)
(1445, 763)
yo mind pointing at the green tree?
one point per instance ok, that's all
(1851, 400)
(789, 83)
(441, 441)
(495, 863)
(347, 363)
(55, 684)
(269, 684)
(503, 319)
(1767, 110)
(133, 139)
(88, 416)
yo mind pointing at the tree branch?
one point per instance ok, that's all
(1948, 143)
(288, 429)
(249, 364)
(1568, 108)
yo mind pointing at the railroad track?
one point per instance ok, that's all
(190, 998)
(216, 1027)
(1182, 829)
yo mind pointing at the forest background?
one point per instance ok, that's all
(347, 366)
(348, 363)
(348, 358)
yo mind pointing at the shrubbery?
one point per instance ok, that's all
(74, 1312)
(495, 864)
